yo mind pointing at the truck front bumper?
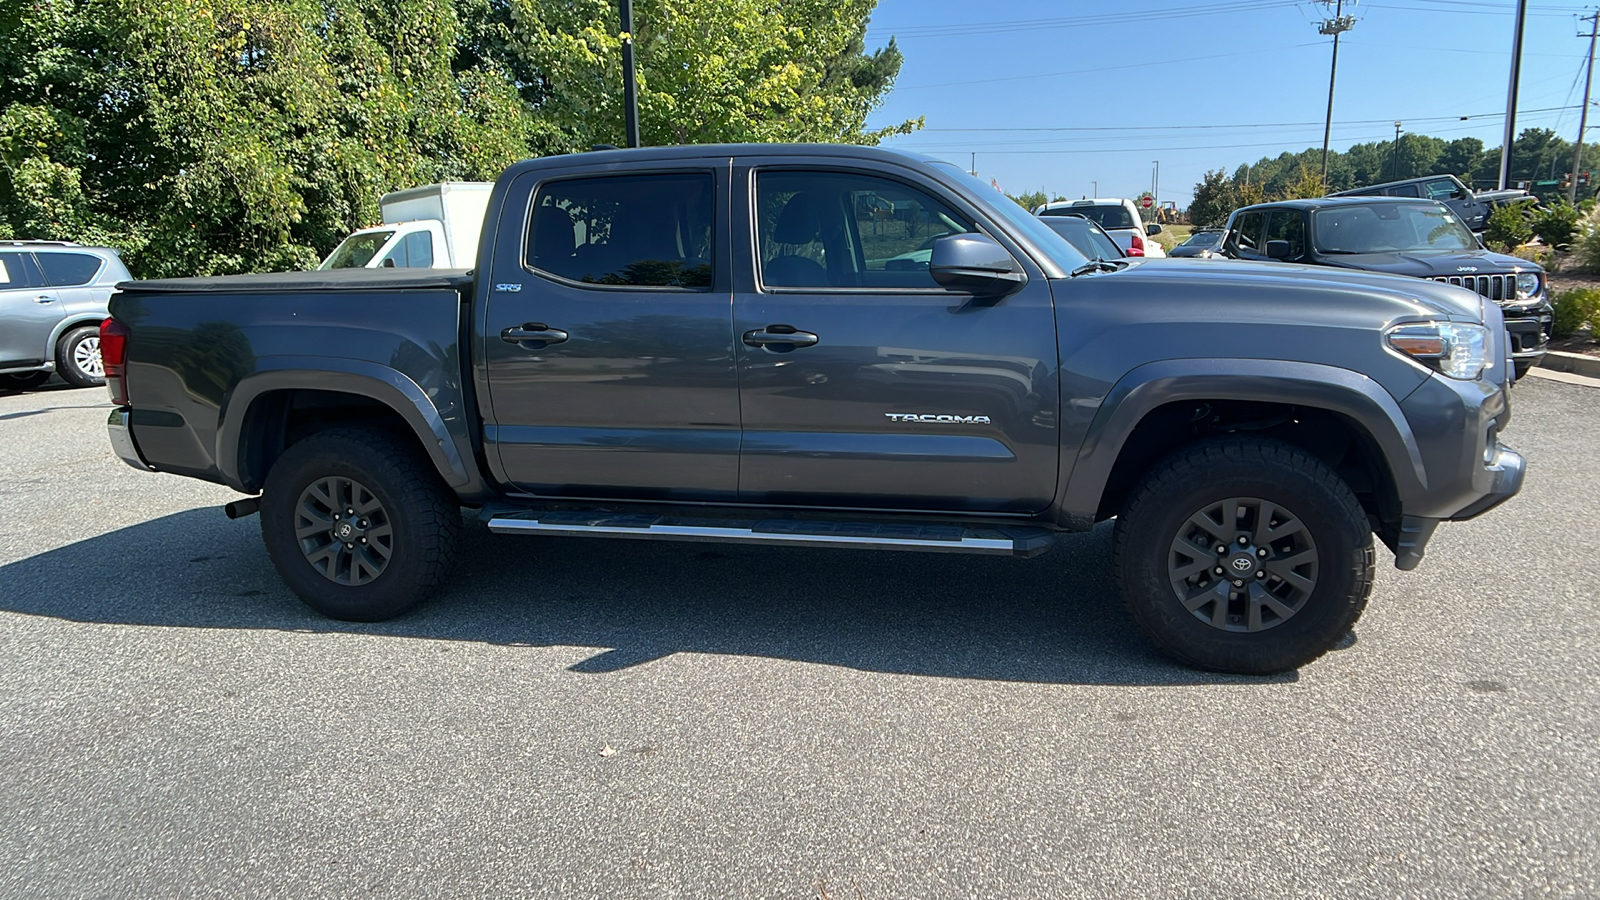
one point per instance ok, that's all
(122, 439)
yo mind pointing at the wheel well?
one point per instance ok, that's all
(278, 420)
(1331, 437)
(75, 324)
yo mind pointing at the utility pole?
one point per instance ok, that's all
(1097, 188)
(1339, 24)
(630, 84)
(974, 164)
(1511, 94)
(1394, 153)
(1583, 116)
(1155, 186)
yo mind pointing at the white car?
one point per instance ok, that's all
(1119, 217)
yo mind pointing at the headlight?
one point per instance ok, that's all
(1527, 285)
(1459, 351)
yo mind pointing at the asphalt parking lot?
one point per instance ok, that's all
(581, 718)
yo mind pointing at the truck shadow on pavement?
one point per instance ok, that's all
(1056, 619)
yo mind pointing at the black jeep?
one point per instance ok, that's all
(1400, 236)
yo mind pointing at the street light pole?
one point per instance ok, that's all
(1155, 188)
(1511, 94)
(630, 85)
(1583, 116)
(1394, 153)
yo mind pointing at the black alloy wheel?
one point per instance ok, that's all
(1243, 564)
(358, 522)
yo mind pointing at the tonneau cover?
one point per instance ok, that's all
(315, 280)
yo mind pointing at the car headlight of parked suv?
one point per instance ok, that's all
(1454, 349)
(1527, 285)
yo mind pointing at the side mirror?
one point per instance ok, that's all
(1152, 229)
(1278, 250)
(974, 263)
(388, 262)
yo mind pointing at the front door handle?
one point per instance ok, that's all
(781, 338)
(533, 332)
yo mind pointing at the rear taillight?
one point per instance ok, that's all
(1137, 247)
(114, 355)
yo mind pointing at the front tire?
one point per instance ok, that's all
(78, 357)
(358, 523)
(1291, 543)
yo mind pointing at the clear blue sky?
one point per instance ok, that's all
(1209, 84)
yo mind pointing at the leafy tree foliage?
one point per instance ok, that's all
(1214, 199)
(216, 136)
(709, 70)
(1537, 155)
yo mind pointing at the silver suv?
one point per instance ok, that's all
(52, 298)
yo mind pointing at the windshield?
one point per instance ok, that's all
(357, 250)
(1202, 239)
(1389, 228)
(1064, 254)
(1107, 216)
(1081, 233)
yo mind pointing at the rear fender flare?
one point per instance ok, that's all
(357, 377)
(1343, 391)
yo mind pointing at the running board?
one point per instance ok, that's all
(1002, 540)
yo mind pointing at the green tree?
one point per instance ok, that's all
(1214, 199)
(1032, 200)
(708, 70)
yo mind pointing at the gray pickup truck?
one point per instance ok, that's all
(837, 347)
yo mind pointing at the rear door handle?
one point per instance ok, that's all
(533, 332)
(44, 299)
(779, 337)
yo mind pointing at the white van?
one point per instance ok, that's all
(433, 226)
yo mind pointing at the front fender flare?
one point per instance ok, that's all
(350, 376)
(1343, 391)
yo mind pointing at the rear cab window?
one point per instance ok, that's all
(639, 231)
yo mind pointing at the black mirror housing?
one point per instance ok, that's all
(1152, 229)
(974, 263)
(1278, 250)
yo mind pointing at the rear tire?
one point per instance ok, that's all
(358, 523)
(23, 381)
(78, 357)
(1292, 542)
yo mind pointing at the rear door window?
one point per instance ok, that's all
(17, 271)
(1404, 190)
(68, 269)
(650, 231)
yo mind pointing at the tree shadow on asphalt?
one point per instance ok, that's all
(1056, 619)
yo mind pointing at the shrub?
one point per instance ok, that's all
(1576, 309)
(1556, 225)
(1508, 228)
(1588, 252)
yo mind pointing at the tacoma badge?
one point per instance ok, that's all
(942, 419)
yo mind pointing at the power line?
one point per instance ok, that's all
(950, 29)
(1097, 128)
(1097, 69)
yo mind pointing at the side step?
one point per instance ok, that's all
(1002, 540)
